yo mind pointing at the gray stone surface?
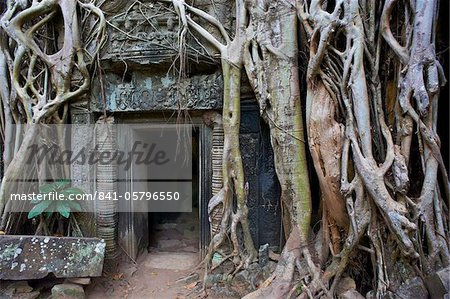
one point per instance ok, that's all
(17, 290)
(268, 269)
(252, 277)
(224, 291)
(263, 255)
(212, 279)
(33, 257)
(30, 295)
(147, 35)
(438, 284)
(80, 280)
(169, 244)
(190, 233)
(68, 291)
(19, 287)
(414, 288)
(352, 294)
(147, 92)
(242, 277)
(345, 284)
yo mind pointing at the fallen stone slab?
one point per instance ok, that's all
(34, 257)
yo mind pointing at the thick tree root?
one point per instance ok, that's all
(41, 84)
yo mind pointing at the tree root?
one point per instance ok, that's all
(41, 83)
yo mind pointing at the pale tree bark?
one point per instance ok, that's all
(361, 163)
(234, 185)
(267, 51)
(360, 127)
(39, 74)
(344, 70)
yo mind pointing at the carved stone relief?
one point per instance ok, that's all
(151, 93)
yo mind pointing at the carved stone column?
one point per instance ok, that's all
(82, 175)
(106, 183)
(215, 209)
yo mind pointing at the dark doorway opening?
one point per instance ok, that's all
(179, 231)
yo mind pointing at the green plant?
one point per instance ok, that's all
(299, 289)
(45, 203)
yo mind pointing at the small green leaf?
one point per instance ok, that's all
(63, 209)
(62, 184)
(38, 209)
(299, 290)
(35, 201)
(74, 206)
(47, 188)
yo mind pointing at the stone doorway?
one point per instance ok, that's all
(171, 232)
(179, 232)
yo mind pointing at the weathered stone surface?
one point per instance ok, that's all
(242, 277)
(345, 284)
(33, 257)
(80, 280)
(263, 198)
(212, 279)
(17, 290)
(252, 277)
(263, 255)
(438, 284)
(30, 295)
(190, 233)
(268, 269)
(351, 294)
(444, 275)
(169, 244)
(224, 291)
(19, 287)
(149, 93)
(414, 288)
(68, 291)
(147, 34)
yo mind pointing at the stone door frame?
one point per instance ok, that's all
(127, 241)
